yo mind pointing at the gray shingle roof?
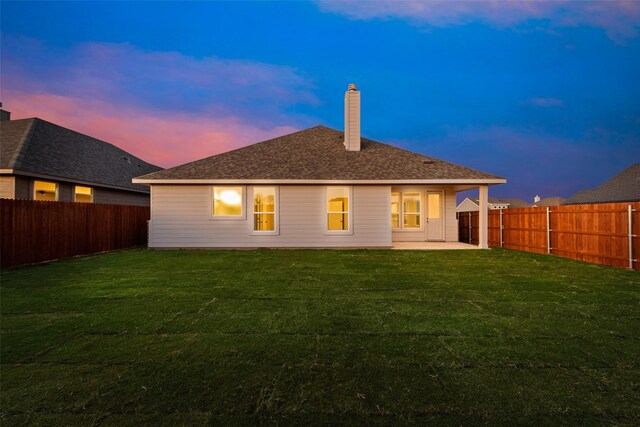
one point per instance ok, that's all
(624, 187)
(549, 201)
(37, 146)
(318, 153)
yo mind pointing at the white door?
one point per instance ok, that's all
(435, 226)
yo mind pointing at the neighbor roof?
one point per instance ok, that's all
(39, 147)
(624, 187)
(549, 201)
(513, 203)
(318, 153)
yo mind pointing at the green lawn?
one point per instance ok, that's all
(319, 337)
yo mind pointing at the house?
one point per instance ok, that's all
(624, 187)
(40, 160)
(318, 187)
(546, 202)
(473, 204)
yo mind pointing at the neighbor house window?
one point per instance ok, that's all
(43, 190)
(395, 210)
(227, 202)
(83, 194)
(337, 208)
(411, 210)
(264, 209)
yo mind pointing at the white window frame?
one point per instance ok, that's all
(276, 212)
(399, 227)
(85, 186)
(243, 198)
(401, 211)
(325, 198)
(48, 182)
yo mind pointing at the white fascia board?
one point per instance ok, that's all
(6, 171)
(320, 181)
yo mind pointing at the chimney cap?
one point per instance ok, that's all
(352, 86)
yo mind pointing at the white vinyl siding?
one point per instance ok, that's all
(449, 214)
(180, 218)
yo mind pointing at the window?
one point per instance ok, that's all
(264, 209)
(406, 210)
(395, 210)
(83, 194)
(411, 210)
(337, 208)
(43, 190)
(227, 202)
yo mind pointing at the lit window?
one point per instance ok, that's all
(43, 190)
(264, 208)
(227, 201)
(337, 208)
(395, 210)
(411, 210)
(83, 194)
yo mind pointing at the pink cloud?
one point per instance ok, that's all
(159, 138)
(618, 18)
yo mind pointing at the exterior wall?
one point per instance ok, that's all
(467, 206)
(119, 197)
(181, 218)
(7, 187)
(21, 187)
(450, 223)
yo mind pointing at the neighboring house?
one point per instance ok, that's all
(624, 187)
(318, 187)
(43, 161)
(547, 201)
(473, 204)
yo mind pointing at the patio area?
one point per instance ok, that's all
(431, 246)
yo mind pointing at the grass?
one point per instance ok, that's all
(319, 337)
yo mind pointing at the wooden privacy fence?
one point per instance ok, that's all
(35, 231)
(607, 233)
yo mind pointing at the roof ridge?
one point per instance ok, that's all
(239, 149)
(16, 162)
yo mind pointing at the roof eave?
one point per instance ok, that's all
(71, 180)
(479, 181)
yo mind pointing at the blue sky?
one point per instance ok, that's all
(545, 94)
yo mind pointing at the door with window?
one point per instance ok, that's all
(435, 224)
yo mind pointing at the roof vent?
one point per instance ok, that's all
(428, 162)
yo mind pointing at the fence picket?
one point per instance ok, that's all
(607, 233)
(35, 231)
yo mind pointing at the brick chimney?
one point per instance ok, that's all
(352, 118)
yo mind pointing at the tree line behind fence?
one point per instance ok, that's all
(605, 233)
(36, 231)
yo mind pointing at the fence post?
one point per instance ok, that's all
(630, 235)
(501, 226)
(469, 227)
(548, 230)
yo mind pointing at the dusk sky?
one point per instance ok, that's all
(546, 94)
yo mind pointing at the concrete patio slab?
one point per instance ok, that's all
(431, 246)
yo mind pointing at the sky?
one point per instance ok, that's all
(545, 94)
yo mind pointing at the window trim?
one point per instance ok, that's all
(325, 209)
(75, 193)
(46, 182)
(401, 193)
(276, 212)
(243, 197)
